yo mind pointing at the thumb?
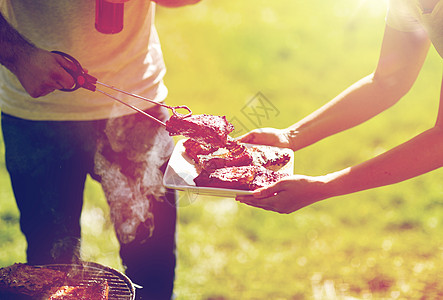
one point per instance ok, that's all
(249, 137)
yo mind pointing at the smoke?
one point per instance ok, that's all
(128, 160)
(66, 250)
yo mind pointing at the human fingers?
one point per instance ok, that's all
(253, 201)
(259, 194)
(62, 78)
(55, 82)
(281, 203)
(66, 64)
(42, 89)
(247, 138)
(275, 197)
(261, 136)
(266, 136)
(49, 85)
(268, 191)
(40, 93)
(271, 203)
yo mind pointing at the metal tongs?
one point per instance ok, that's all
(83, 80)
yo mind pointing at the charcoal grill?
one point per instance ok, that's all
(87, 273)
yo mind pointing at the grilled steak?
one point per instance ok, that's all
(236, 166)
(269, 157)
(210, 158)
(193, 149)
(206, 129)
(29, 280)
(239, 178)
(235, 154)
(93, 291)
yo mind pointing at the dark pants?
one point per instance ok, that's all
(48, 162)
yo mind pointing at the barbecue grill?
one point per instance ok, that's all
(87, 273)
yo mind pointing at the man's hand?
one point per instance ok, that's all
(175, 3)
(41, 72)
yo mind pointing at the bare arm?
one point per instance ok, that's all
(40, 72)
(419, 155)
(13, 45)
(401, 57)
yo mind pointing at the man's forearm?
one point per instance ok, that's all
(13, 46)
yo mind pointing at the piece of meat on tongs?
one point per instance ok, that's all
(206, 129)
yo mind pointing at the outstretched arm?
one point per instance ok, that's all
(419, 155)
(401, 57)
(40, 72)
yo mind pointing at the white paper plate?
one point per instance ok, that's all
(181, 171)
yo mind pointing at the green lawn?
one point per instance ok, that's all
(380, 244)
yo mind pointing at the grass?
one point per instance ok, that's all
(379, 244)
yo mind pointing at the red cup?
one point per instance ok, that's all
(108, 16)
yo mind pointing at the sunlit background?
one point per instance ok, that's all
(223, 57)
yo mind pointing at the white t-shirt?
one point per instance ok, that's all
(130, 60)
(408, 15)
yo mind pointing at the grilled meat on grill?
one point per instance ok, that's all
(92, 291)
(22, 281)
(29, 280)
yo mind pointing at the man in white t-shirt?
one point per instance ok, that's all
(411, 27)
(53, 139)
